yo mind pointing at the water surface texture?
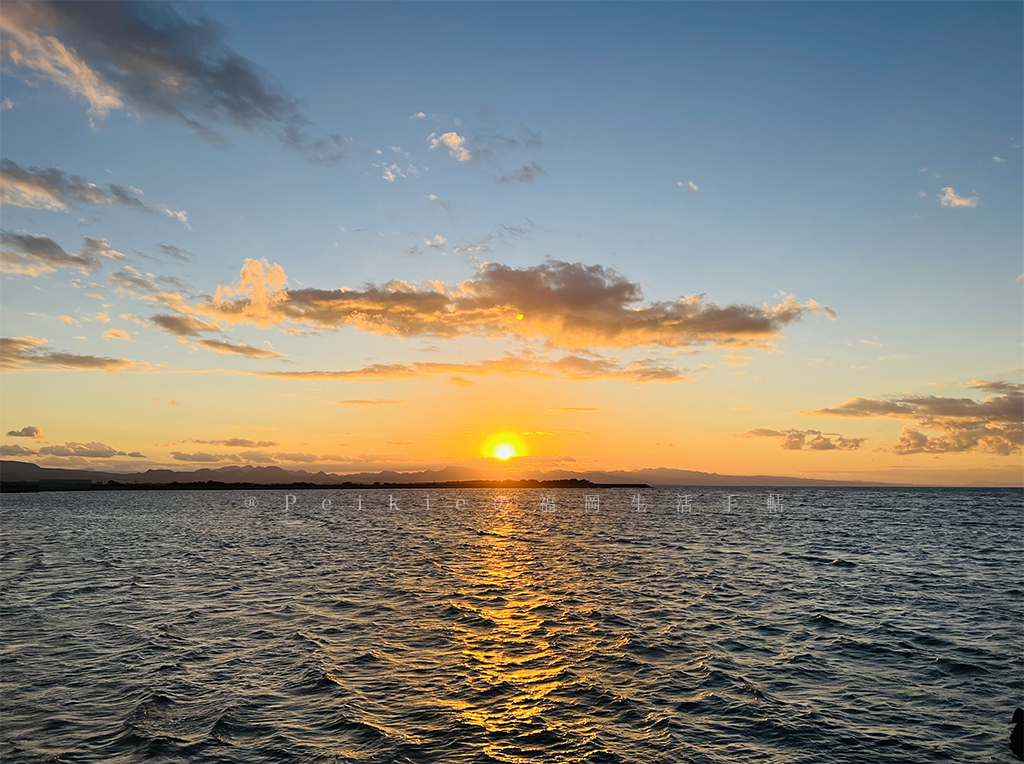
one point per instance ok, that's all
(852, 625)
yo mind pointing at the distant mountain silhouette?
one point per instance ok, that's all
(14, 471)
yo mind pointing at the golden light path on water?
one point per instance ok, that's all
(516, 652)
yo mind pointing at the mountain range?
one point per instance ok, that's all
(15, 471)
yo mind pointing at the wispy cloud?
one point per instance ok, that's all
(807, 440)
(232, 443)
(433, 199)
(567, 367)
(369, 403)
(18, 353)
(237, 348)
(525, 174)
(38, 255)
(50, 188)
(148, 59)
(949, 198)
(176, 252)
(688, 185)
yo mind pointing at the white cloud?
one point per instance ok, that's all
(688, 185)
(453, 143)
(949, 198)
(392, 171)
(998, 160)
(418, 115)
(180, 215)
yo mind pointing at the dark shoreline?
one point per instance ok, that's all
(25, 487)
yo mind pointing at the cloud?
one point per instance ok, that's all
(949, 198)
(998, 160)
(149, 60)
(238, 348)
(180, 215)
(32, 353)
(16, 450)
(49, 188)
(204, 457)
(736, 359)
(458, 381)
(392, 171)
(6, 104)
(525, 174)
(807, 440)
(433, 199)
(418, 115)
(190, 327)
(994, 424)
(236, 443)
(369, 402)
(453, 143)
(438, 243)
(570, 304)
(27, 432)
(38, 255)
(182, 326)
(176, 252)
(92, 450)
(688, 185)
(567, 367)
(115, 334)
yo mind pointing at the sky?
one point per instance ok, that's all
(745, 238)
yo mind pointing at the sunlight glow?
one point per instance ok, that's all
(505, 451)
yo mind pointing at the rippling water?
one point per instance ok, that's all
(850, 626)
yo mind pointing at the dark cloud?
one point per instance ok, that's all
(525, 174)
(994, 424)
(27, 432)
(53, 189)
(238, 348)
(37, 255)
(570, 304)
(92, 450)
(32, 353)
(204, 457)
(176, 252)
(183, 326)
(807, 440)
(150, 59)
(16, 451)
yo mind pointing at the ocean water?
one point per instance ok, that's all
(848, 625)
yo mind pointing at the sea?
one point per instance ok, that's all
(593, 625)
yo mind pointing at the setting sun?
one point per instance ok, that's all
(505, 451)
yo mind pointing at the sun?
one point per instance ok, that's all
(505, 446)
(505, 451)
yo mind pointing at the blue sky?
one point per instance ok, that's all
(819, 137)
